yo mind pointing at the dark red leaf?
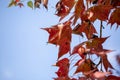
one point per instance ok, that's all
(62, 71)
(63, 62)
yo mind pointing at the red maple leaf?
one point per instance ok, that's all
(63, 8)
(102, 10)
(115, 17)
(79, 10)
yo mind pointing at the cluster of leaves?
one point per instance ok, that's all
(84, 14)
(30, 3)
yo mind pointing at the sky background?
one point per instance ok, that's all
(24, 53)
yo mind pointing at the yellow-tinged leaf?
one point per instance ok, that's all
(30, 4)
(11, 3)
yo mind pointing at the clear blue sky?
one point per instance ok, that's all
(24, 53)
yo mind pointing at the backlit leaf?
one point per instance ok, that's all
(102, 10)
(114, 18)
(45, 3)
(79, 10)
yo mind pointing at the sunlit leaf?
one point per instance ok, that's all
(79, 10)
(102, 10)
(114, 18)
(45, 3)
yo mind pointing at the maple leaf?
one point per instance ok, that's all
(45, 3)
(63, 62)
(96, 43)
(106, 63)
(53, 34)
(102, 10)
(62, 72)
(87, 28)
(79, 10)
(114, 18)
(68, 3)
(86, 66)
(63, 7)
(63, 65)
(79, 49)
(60, 35)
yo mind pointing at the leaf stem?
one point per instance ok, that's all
(101, 28)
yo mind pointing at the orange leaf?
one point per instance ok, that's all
(115, 17)
(45, 3)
